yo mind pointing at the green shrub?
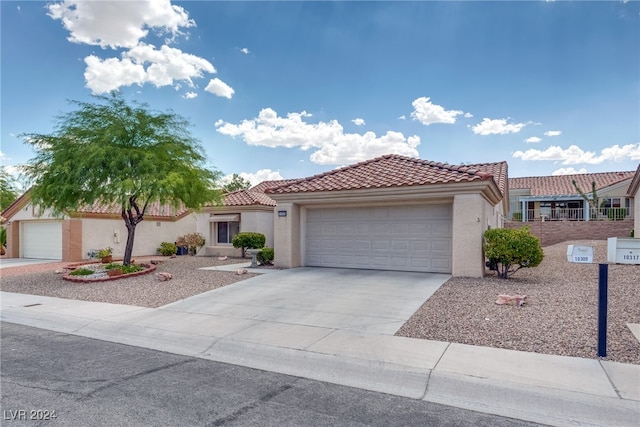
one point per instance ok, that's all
(516, 216)
(167, 248)
(3, 237)
(81, 272)
(265, 256)
(509, 250)
(616, 214)
(248, 240)
(632, 234)
(126, 269)
(131, 268)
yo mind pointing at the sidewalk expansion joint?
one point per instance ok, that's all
(613, 385)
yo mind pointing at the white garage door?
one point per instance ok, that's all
(406, 238)
(42, 239)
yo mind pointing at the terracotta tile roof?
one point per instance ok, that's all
(247, 198)
(254, 195)
(562, 185)
(154, 209)
(395, 171)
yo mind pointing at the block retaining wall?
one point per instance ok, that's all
(552, 232)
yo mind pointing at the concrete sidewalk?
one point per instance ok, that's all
(547, 389)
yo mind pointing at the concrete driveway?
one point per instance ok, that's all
(19, 262)
(307, 298)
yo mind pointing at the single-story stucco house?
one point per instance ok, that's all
(555, 198)
(634, 191)
(35, 234)
(242, 210)
(391, 213)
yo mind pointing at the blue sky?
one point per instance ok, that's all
(291, 89)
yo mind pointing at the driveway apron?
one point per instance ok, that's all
(309, 302)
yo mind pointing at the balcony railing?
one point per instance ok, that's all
(573, 214)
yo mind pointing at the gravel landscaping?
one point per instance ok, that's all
(143, 291)
(559, 317)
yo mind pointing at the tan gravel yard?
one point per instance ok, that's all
(560, 316)
(143, 291)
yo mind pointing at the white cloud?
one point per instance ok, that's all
(220, 88)
(254, 178)
(553, 133)
(568, 171)
(496, 126)
(118, 24)
(402, 117)
(468, 115)
(163, 68)
(532, 140)
(190, 95)
(332, 146)
(575, 155)
(358, 122)
(428, 113)
(123, 25)
(245, 51)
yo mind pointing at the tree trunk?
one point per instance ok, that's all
(131, 220)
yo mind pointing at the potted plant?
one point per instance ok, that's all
(105, 255)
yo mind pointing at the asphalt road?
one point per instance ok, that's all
(55, 379)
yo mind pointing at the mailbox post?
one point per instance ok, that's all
(584, 255)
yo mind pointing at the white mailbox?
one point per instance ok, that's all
(623, 251)
(580, 254)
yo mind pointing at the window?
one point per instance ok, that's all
(226, 230)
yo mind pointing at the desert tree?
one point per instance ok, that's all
(236, 183)
(120, 155)
(8, 191)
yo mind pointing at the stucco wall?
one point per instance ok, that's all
(636, 213)
(101, 233)
(472, 215)
(287, 236)
(252, 221)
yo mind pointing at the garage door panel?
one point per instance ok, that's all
(42, 239)
(414, 238)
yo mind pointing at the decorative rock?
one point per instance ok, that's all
(517, 300)
(62, 271)
(164, 276)
(241, 271)
(222, 258)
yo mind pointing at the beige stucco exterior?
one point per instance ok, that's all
(634, 191)
(476, 206)
(81, 234)
(258, 219)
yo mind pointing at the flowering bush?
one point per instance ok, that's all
(193, 241)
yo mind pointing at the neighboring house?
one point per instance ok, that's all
(391, 213)
(555, 198)
(34, 234)
(242, 210)
(634, 192)
(31, 234)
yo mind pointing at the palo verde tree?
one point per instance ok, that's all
(8, 192)
(113, 153)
